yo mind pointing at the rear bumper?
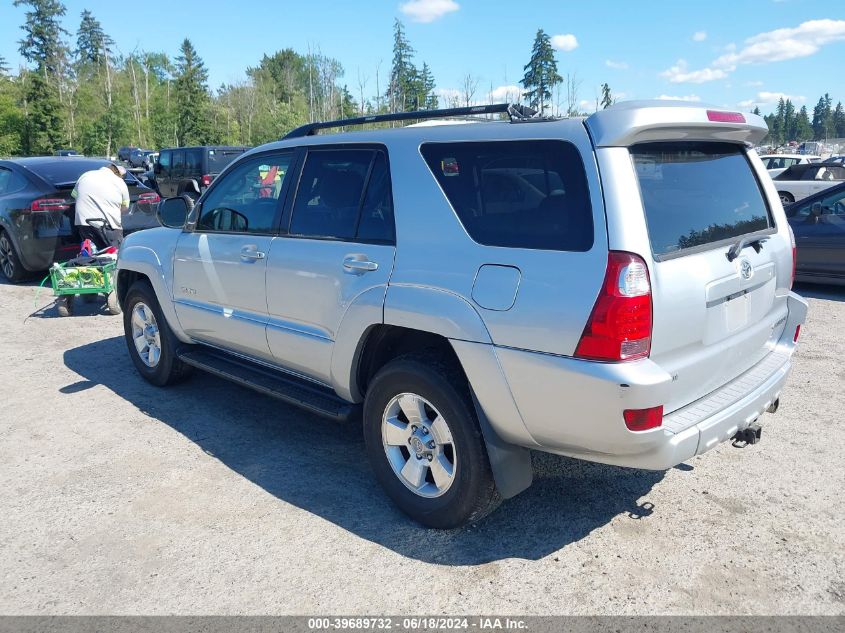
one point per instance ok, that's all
(574, 408)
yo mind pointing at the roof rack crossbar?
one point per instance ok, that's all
(514, 111)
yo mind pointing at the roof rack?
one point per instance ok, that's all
(516, 112)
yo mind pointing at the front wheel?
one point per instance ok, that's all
(424, 443)
(151, 343)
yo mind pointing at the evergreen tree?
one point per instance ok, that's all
(92, 43)
(193, 116)
(756, 110)
(428, 100)
(4, 67)
(43, 46)
(803, 129)
(839, 121)
(403, 75)
(540, 73)
(606, 98)
(789, 121)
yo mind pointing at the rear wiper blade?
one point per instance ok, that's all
(755, 242)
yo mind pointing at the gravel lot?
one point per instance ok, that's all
(119, 498)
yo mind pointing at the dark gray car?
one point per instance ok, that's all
(37, 211)
(818, 223)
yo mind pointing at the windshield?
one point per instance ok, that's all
(697, 193)
(65, 171)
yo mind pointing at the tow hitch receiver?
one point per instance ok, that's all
(749, 435)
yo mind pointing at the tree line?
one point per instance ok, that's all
(787, 123)
(77, 90)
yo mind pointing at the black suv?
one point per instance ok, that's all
(189, 170)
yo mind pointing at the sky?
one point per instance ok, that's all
(732, 53)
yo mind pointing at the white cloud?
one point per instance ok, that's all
(680, 74)
(783, 44)
(615, 65)
(586, 105)
(699, 36)
(428, 10)
(691, 98)
(566, 42)
(772, 46)
(509, 94)
(766, 98)
(754, 84)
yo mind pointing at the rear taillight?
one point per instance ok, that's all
(643, 419)
(44, 205)
(725, 117)
(619, 327)
(149, 198)
(206, 180)
(794, 257)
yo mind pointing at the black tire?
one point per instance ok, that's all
(168, 369)
(472, 494)
(10, 262)
(64, 305)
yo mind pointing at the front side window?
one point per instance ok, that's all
(246, 199)
(164, 161)
(517, 194)
(178, 163)
(330, 193)
(697, 193)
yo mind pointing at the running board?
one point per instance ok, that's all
(285, 387)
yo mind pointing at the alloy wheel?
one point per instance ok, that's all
(7, 265)
(419, 445)
(145, 334)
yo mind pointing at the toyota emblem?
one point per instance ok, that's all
(746, 269)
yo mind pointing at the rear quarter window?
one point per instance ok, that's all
(697, 193)
(516, 194)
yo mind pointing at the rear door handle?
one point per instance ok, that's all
(251, 254)
(359, 264)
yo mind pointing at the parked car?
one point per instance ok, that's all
(37, 211)
(190, 170)
(800, 181)
(838, 160)
(67, 152)
(125, 152)
(818, 223)
(615, 288)
(777, 163)
(141, 158)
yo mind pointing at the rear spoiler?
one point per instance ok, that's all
(634, 122)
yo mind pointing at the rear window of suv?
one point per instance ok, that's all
(697, 193)
(516, 194)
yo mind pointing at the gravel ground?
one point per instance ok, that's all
(120, 498)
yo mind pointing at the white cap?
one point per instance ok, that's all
(120, 169)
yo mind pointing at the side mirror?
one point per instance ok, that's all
(173, 212)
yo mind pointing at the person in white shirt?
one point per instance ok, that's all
(101, 195)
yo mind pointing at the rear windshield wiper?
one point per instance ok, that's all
(755, 242)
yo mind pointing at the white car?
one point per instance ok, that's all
(776, 164)
(799, 181)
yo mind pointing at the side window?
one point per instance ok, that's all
(178, 163)
(376, 223)
(193, 162)
(330, 192)
(5, 178)
(517, 194)
(834, 205)
(10, 182)
(164, 160)
(246, 199)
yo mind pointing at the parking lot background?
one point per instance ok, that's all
(121, 498)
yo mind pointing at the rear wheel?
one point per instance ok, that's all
(10, 263)
(786, 197)
(151, 343)
(425, 445)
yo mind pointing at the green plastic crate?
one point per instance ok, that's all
(82, 280)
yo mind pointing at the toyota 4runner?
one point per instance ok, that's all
(615, 288)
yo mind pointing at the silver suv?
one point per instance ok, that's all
(615, 288)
